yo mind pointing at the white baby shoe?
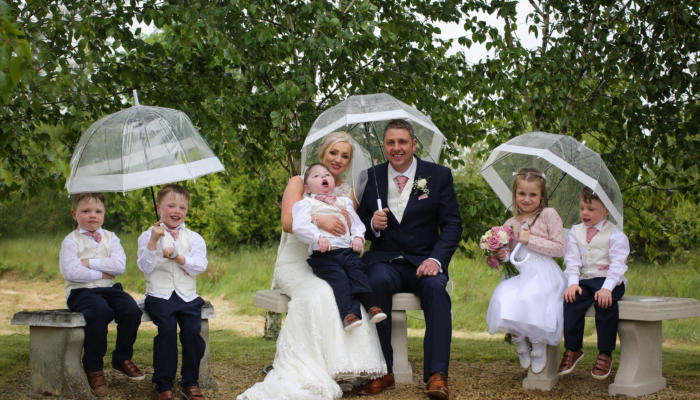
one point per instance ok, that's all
(523, 351)
(539, 357)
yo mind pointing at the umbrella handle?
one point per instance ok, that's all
(514, 252)
(379, 204)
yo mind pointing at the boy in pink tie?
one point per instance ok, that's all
(335, 259)
(170, 267)
(90, 258)
(595, 257)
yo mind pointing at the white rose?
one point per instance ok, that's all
(503, 237)
(422, 183)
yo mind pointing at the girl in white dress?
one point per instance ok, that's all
(529, 306)
(314, 353)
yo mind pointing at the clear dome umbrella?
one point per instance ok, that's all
(568, 166)
(141, 146)
(364, 118)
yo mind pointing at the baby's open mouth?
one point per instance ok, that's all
(324, 183)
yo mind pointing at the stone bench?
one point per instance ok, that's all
(641, 339)
(276, 301)
(56, 346)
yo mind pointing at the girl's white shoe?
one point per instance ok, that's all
(523, 351)
(539, 357)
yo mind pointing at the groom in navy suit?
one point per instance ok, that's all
(413, 239)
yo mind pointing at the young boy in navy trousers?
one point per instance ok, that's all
(90, 258)
(595, 257)
(171, 256)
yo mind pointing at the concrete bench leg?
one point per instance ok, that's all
(54, 361)
(546, 379)
(206, 379)
(639, 372)
(399, 343)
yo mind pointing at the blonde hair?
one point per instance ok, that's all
(331, 139)
(530, 175)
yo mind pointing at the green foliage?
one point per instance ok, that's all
(15, 54)
(253, 75)
(620, 75)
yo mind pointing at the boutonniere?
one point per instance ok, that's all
(420, 186)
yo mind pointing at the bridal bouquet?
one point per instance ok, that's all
(496, 239)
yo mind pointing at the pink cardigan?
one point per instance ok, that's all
(546, 236)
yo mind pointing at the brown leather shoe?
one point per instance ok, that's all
(129, 369)
(436, 386)
(602, 367)
(376, 386)
(569, 360)
(350, 322)
(167, 395)
(97, 383)
(192, 393)
(376, 315)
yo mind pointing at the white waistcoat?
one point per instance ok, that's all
(397, 202)
(323, 208)
(87, 249)
(595, 254)
(168, 275)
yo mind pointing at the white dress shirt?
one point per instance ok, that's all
(310, 233)
(618, 250)
(195, 261)
(74, 270)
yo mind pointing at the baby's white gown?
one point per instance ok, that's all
(313, 350)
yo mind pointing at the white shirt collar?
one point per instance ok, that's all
(182, 225)
(599, 225)
(83, 230)
(411, 171)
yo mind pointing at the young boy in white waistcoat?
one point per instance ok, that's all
(335, 259)
(171, 256)
(89, 260)
(595, 258)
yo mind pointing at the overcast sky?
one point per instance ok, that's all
(477, 51)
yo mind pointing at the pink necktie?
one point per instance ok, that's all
(592, 230)
(326, 198)
(174, 233)
(95, 235)
(401, 182)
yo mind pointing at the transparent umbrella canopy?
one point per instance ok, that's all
(568, 166)
(369, 113)
(139, 147)
(364, 118)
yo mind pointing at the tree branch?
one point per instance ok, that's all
(526, 93)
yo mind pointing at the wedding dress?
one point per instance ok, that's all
(314, 353)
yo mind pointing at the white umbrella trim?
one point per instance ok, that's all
(139, 180)
(489, 173)
(350, 119)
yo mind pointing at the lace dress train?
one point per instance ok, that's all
(313, 350)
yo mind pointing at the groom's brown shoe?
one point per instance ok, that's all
(436, 386)
(376, 386)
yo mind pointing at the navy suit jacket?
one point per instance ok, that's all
(430, 227)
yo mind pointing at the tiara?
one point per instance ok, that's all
(540, 175)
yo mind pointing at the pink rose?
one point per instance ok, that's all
(493, 262)
(507, 229)
(494, 243)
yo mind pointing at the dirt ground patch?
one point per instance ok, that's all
(496, 380)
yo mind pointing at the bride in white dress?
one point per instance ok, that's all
(314, 353)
